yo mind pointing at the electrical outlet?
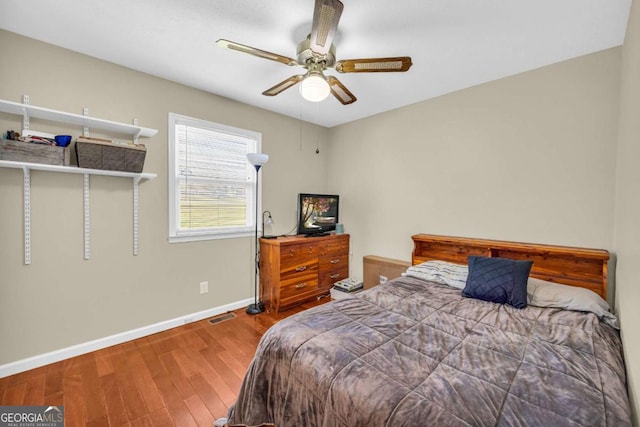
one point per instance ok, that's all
(383, 279)
(204, 287)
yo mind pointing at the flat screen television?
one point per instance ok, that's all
(317, 213)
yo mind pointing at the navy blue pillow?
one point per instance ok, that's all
(499, 280)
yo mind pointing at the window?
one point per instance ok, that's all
(211, 184)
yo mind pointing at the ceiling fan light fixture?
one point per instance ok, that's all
(314, 87)
(316, 53)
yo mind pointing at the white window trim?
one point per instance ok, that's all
(193, 236)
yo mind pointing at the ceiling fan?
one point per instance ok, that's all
(317, 54)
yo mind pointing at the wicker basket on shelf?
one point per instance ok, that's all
(99, 153)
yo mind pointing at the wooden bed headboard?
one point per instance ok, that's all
(586, 268)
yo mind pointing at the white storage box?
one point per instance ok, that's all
(336, 294)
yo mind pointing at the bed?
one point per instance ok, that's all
(418, 352)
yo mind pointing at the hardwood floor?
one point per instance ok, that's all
(186, 376)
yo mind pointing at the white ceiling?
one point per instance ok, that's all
(454, 44)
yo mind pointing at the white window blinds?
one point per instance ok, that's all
(213, 191)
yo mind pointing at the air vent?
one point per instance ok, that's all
(222, 318)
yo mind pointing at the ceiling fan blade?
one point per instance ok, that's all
(282, 86)
(374, 65)
(326, 15)
(227, 44)
(339, 90)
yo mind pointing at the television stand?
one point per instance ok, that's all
(294, 270)
(316, 235)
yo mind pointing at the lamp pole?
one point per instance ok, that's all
(257, 160)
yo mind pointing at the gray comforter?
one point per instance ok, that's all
(414, 353)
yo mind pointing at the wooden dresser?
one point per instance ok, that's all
(297, 269)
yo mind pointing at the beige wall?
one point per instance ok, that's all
(526, 158)
(60, 299)
(627, 207)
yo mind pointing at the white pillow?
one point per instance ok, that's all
(548, 294)
(443, 272)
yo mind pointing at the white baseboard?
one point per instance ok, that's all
(76, 350)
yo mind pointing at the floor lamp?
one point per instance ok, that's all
(257, 160)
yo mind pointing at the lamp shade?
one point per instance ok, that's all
(257, 159)
(314, 88)
(269, 220)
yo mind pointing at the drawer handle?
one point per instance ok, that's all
(301, 285)
(335, 261)
(303, 268)
(335, 276)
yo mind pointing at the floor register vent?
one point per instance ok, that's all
(222, 318)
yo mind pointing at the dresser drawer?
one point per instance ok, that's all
(339, 245)
(298, 288)
(330, 262)
(328, 278)
(300, 253)
(308, 268)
